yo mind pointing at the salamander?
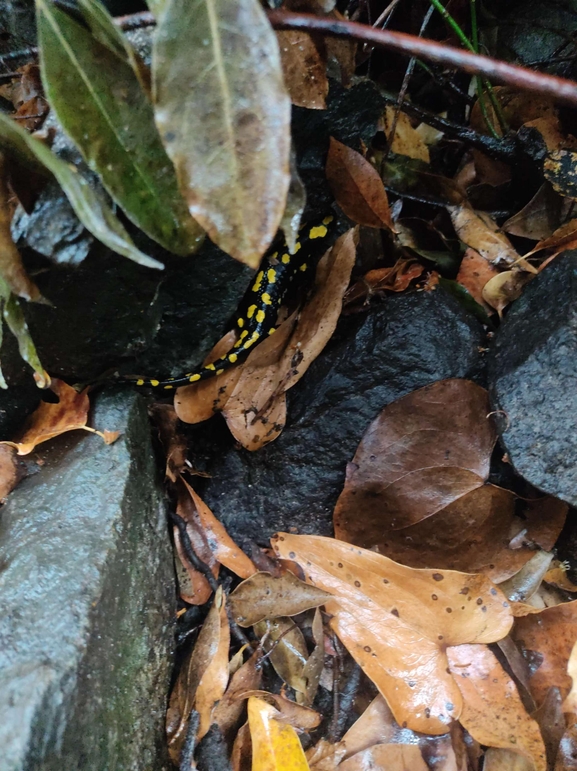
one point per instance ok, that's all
(256, 316)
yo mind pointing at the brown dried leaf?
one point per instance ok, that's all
(241, 756)
(10, 473)
(304, 70)
(397, 622)
(561, 239)
(387, 757)
(547, 639)
(523, 585)
(407, 140)
(539, 218)
(290, 713)
(481, 233)
(288, 653)
(505, 287)
(357, 187)
(375, 726)
(423, 452)
(228, 711)
(204, 666)
(262, 596)
(325, 756)
(221, 544)
(492, 710)
(475, 271)
(342, 52)
(50, 420)
(224, 115)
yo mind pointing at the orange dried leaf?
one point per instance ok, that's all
(325, 756)
(228, 711)
(275, 746)
(304, 70)
(262, 596)
(492, 711)
(505, 287)
(221, 544)
(50, 420)
(407, 140)
(357, 187)
(386, 757)
(289, 712)
(9, 472)
(397, 622)
(474, 273)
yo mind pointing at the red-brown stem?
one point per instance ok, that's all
(500, 72)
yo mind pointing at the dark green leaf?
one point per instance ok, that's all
(102, 107)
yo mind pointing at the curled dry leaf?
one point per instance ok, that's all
(325, 756)
(304, 70)
(262, 596)
(538, 219)
(285, 645)
(253, 400)
(202, 679)
(226, 126)
(523, 585)
(228, 711)
(547, 638)
(505, 287)
(481, 233)
(275, 745)
(357, 187)
(394, 279)
(492, 711)
(565, 237)
(397, 622)
(50, 420)
(301, 718)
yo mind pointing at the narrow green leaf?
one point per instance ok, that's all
(224, 114)
(90, 207)
(106, 32)
(16, 322)
(100, 104)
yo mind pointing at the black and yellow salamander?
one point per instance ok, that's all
(257, 314)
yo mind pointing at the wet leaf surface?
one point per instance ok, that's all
(223, 114)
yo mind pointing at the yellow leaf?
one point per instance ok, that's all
(275, 746)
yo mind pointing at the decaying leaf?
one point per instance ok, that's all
(505, 287)
(228, 712)
(50, 420)
(392, 757)
(26, 94)
(325, 756)
(224, 116)
(540, 217)
(275, 745)
(394, 279)
(565, 237)
(9, 471)
(395, 620)
(474, 273)
(289, 712)
(262, 596)
(202, 679)
(547, 638)
(253, 398)
(111, 121)
(407, 140)
(492, 710)
(304, 70)
(285, 645)
(357, 187)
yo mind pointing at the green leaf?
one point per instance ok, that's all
(14, 318)
(90, 206)
(224, 116)
(101, 106)
(106, 32)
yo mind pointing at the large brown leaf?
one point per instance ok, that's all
(224, 114)
(304, 70)
(397, 622)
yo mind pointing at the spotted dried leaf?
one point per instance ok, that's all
(492, 710)
(357, 187)
(262, 596)
(395, 620)
(304, 70)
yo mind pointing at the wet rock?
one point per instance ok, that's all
(86, 603)
(405, 343)
(533, 377)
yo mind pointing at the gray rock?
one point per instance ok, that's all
(86, 603)
(533, 380)
(403, 344)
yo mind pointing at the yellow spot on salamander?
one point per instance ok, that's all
(266, 298)
(319, 231)
(260, 316)
(303, 267)
(140, 382)
(232, 358)
(244, 334)
(252, 340)
(328, 220)
(271, 331)
(250, 311)
(210, 366)
(285, 259)
(271, 275)
(219, 371)
(168, 387)
(258, 281)
(154, 383)
(240, 322)
(298, 246)
(194, 378)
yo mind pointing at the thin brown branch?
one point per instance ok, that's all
(500, 72)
